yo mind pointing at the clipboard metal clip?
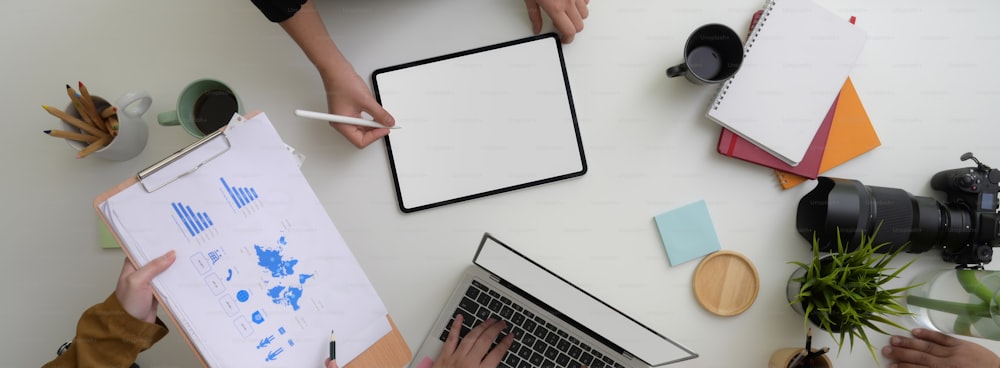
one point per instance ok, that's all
(165, 172)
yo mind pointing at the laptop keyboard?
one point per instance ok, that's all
(537, 342)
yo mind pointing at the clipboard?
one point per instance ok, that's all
(480, 122)
(390, 350)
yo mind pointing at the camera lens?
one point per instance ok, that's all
(856, 210)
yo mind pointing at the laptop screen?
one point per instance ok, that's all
(583, 308)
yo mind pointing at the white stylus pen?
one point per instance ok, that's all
(341, 119)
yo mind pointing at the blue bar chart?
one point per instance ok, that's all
(195, 222)
(241, 196)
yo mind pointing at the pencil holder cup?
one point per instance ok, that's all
(131, 133)
(783, 357)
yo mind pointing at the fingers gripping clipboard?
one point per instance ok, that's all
(233, 309)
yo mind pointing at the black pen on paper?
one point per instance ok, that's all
(333, 346)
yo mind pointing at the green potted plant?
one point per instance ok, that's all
(844, 292)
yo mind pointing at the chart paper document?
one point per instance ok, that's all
(262, 275)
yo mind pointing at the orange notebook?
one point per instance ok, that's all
(851, 135)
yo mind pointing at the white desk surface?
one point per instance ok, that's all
(927, 77)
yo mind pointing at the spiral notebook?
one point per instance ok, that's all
(795, 62)
(735, 146)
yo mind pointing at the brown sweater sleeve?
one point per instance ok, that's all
(107, 336)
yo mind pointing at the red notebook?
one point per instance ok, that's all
(735, 146)
(851, 135)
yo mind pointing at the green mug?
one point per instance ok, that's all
(204, 106)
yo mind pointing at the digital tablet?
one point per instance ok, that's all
(480, 122)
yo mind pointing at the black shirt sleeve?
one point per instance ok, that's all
(278, 10)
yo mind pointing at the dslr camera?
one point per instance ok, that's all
(966, 226)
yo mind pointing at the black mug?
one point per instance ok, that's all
(712, 54)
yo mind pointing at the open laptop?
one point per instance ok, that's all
(555, 323)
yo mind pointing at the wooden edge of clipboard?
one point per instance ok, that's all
(389, 351)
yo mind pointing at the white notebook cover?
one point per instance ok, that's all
(795, 61)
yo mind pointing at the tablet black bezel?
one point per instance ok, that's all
(572, 110)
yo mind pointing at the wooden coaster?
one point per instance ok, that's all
(726, 283)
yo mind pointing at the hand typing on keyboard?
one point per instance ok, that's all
(536, 341)
(476, 347)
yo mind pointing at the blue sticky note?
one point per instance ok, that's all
(687, 232)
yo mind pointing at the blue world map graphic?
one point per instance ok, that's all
(282, 269)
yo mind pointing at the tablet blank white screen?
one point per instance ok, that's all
(480, 122)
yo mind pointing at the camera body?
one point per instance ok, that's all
(966, 226)
(973, 190)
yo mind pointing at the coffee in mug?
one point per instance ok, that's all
(712, 54)
(214, 109)
(203, 107)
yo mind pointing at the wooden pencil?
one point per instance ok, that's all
(108, 111)
(93, 147)
(75, 121)
(86, 116)
(88, 102)
(70, 135)
(77, 102)
(113, 125)
(809, 340)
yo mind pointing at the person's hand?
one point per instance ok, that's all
(474, 350)
(932, 349)
(135, 291)
(331, 363)
(347, 94)
(567, 15)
